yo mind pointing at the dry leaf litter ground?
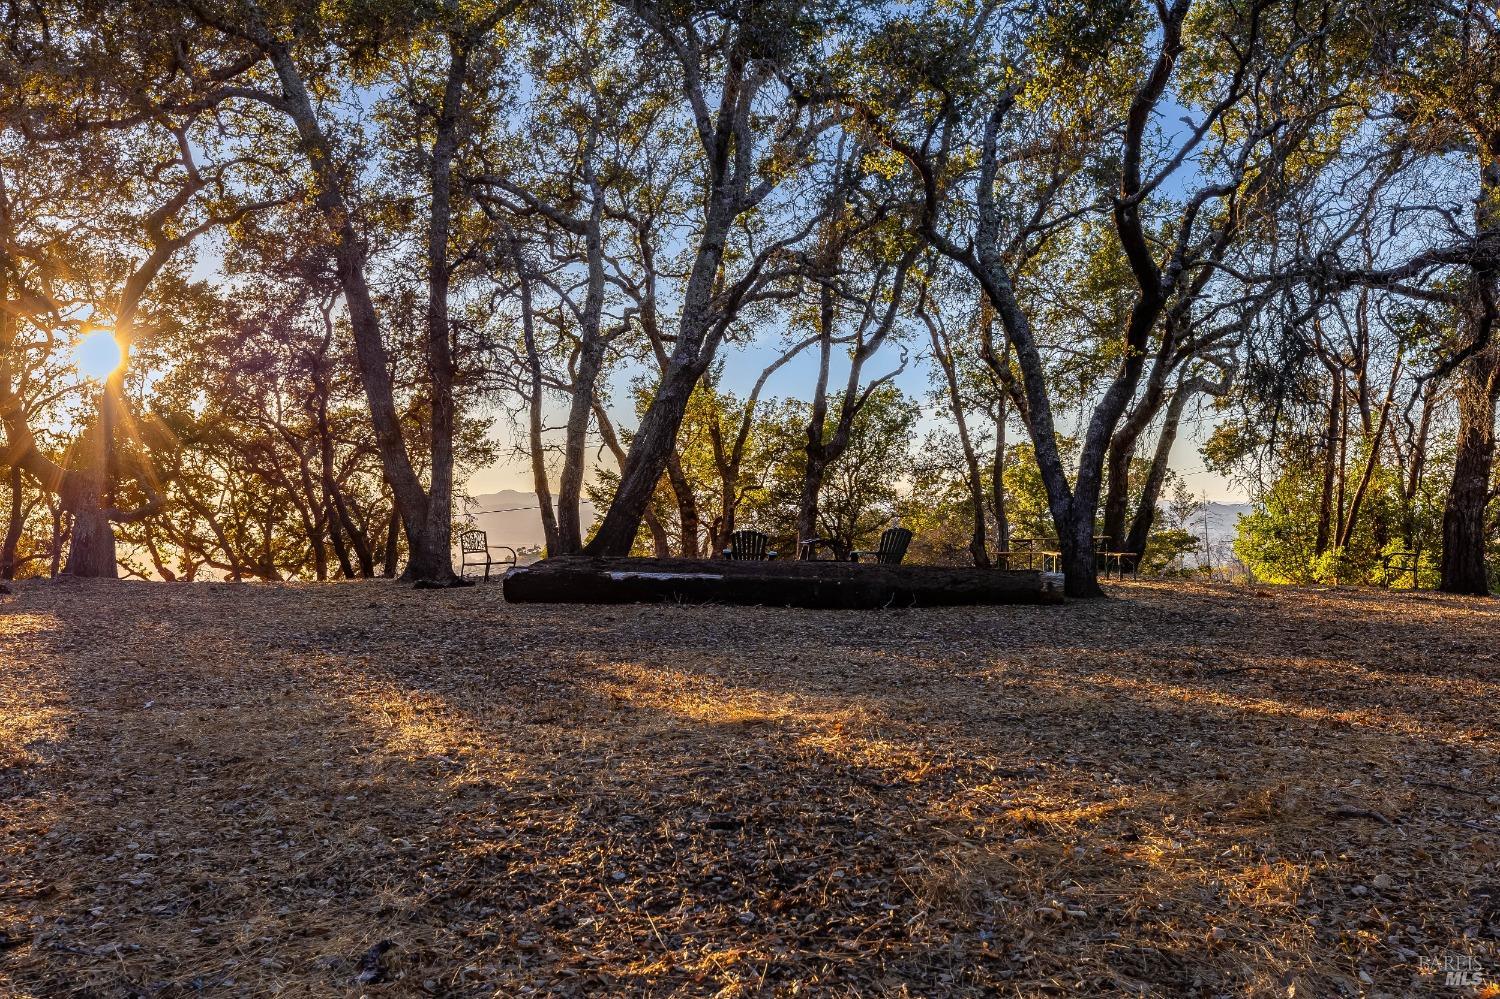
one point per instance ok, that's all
(360, 789)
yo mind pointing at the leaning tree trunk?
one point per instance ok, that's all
(687, 505)
(661, 541)
(336, 539)
(1463, 567)
(698, 333)
(551, 538)
(1156, 478)
(426, 516)
(650, 450)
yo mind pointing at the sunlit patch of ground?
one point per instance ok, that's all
(364, 789)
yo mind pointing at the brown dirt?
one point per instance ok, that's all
(362, 789)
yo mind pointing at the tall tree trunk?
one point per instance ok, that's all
(429, 557)
(1463, 561)
(813, 469)
(1330, 466)
(91, 548)
(1414, 476)
(1117, 483)
(590, 362)
(392, 542)
(432, 550)
(10, 549)
(1074, 508)
(1463, 564)
(975, 481)
(997, 482)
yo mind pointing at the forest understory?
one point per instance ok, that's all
(361, 789)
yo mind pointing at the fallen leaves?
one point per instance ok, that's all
(362, 789)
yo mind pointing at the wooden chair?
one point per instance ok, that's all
(749, 546)
(892, 547)
(475, 549)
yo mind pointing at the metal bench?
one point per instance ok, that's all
(474, 549)
(1398, 564)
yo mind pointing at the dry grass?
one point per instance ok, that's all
(362, 789)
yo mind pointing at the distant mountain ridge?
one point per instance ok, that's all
(1218, 525)
(511, 517)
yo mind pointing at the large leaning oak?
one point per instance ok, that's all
(832, 585)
